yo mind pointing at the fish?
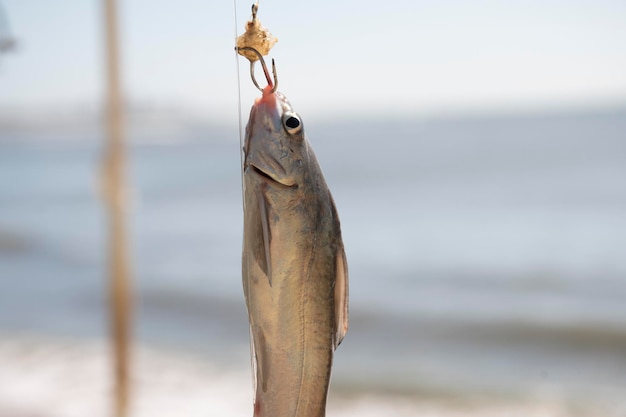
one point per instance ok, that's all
(294, 268)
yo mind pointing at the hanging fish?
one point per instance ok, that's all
(295, 275)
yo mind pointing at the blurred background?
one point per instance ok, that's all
(476, 152)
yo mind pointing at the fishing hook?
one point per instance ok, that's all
(274, 84)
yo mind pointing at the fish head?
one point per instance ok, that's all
(275, 147)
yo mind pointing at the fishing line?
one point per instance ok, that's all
(240, 121)
(243, 190)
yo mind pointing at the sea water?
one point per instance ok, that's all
(486, 255)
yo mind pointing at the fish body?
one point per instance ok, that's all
(295, 274)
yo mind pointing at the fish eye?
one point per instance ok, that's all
(292, 123)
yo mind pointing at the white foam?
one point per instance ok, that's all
(72, 379)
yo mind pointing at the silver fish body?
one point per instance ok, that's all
(295, 274)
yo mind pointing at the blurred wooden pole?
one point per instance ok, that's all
(7, 41)
(114, 189)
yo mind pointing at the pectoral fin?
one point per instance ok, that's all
(262, 236)
(341, 295)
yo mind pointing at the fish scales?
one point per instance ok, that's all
(294, 269)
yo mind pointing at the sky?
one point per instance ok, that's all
(334, 59)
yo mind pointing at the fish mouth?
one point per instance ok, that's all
(269, 177)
